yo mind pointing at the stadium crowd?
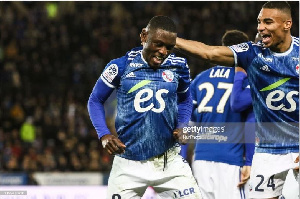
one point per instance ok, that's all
(52, 53)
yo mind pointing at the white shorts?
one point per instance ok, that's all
(291, 186)
(130, 179)
(268, 174)
(219, 180)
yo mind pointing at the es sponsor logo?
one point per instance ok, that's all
(147, 94)
(279, 96)
(280, 100)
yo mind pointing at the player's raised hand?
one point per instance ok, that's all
(112, 144)
(178, 135)
(245, 175)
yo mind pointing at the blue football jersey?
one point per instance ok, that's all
(211, 92)
(147, 102)
(274, 82)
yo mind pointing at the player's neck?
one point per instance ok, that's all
(284, 45)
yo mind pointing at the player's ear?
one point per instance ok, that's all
(143, 36)
(287, 24)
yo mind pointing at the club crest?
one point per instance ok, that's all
(168, 75)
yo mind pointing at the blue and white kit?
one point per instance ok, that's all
(152, 103)
(147, 102)
(274, 82)
(211, 92)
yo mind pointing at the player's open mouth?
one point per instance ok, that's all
(158, 59)
(266, 38)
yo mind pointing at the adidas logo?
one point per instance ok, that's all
(131, 74)
(265, 68)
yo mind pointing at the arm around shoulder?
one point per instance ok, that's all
(221, 55)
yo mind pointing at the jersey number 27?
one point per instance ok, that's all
(210, 91)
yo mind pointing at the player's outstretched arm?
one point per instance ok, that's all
(221, 55)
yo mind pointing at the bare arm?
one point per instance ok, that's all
(221, 55)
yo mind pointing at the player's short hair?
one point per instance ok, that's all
(233, 37)
(280, 5)
(162, 22)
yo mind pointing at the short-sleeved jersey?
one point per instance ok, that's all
(274, 82)
(211, 92)
(147, 102)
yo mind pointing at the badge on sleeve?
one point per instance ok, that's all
(110, 72)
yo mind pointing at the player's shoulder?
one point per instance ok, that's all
(241, 47)
(175, 61)
(202, 74)
(123, 61)
(130, 55)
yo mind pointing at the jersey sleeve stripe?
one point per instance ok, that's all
(235, 57)
(175, 60)
(106, 82)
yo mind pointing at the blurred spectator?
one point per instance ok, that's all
(27, 131)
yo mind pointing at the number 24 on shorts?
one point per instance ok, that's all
(270, 183)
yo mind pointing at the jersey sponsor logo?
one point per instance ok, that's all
(135, 65)
(278, 95)
(184, 192)
(110, 72)
(146, 95)
(240, 47)
(297, 69)
(168, 75)
(275, 84)
(139, 85)
(267, 59)
(265, 68)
